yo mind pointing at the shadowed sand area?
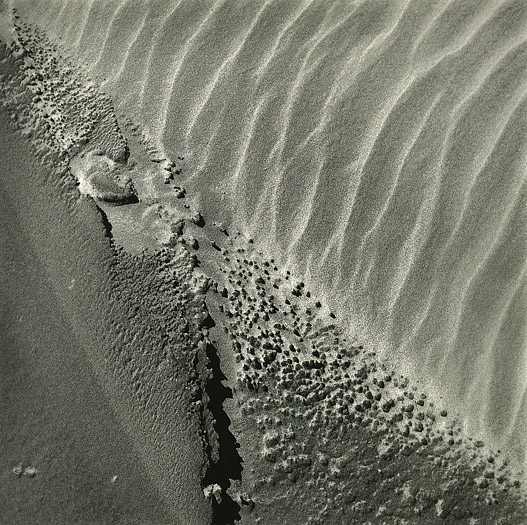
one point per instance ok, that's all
(54, 416)
(68, 409)
(377, 146)
(280, 249)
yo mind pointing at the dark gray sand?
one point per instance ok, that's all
(149, 391)
(65, 457)
(158, 367)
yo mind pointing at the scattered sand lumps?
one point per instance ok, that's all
(52, 102)
(328, 434)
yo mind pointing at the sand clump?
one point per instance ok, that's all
(28, 471)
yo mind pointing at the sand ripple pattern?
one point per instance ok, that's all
(377, 146)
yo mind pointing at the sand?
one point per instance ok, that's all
(229, 298)
(375, 147)
(149, 392)
(54, 416)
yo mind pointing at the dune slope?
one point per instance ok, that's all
(377, 146)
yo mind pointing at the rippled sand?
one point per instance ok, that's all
(377, 149)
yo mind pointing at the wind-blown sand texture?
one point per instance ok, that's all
(376, 149)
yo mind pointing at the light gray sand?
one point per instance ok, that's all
(318, 430)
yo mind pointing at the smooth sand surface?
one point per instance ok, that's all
(68, 409)
(54, 416)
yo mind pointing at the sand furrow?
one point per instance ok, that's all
(510, 407)
(228, 62)
(115, 14)
(85, 20)
(443, 257)
(498, 233)
(248, 135)
(267, 57)
(155, 39)
(380, 222)
(445, 201)
(132, 42)
(180, 61)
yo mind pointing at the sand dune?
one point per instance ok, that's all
(378, 147)
(377, 150)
